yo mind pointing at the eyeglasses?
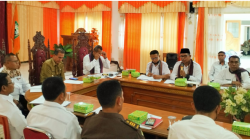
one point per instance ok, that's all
(234, 62)
(11, 83)
(184, 56)
(154, 58)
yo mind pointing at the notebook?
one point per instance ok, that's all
(157, 122)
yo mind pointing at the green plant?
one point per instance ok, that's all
(67, 48)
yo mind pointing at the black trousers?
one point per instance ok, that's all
(23, 107)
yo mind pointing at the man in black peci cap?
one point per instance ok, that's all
(186, 68)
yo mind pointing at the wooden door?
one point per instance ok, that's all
(233, 28)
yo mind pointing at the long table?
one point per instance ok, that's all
(160, 131)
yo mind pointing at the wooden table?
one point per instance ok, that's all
(156, 95)
(160, 131)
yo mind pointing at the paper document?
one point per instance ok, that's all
(150, 116)
(73, 82)
(41, 100)
(36, 89)
(146, 78)
(168, 81)
(97, 110)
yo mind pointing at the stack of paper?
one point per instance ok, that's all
(73, 82)
(36, 89)
(168, 81)
(41, 100)
(146, 78)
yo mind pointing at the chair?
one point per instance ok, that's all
(2, 54)
(4, 128)
(39, 53)
(81, 47)
(35, 133)
(118, 66)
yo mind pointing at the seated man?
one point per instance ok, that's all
(9, 109)
(157, 68)
(54, 66)
(94, 62)
(186, 68)
(51, 116)
(218, 66)
(206, 103)
(234, 75)
(109, 124)
(10, 67)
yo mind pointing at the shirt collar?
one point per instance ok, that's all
(53, 62)
(7, 98)
(203, 119)
(111, 115)
(53, 104)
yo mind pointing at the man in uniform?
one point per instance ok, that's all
(186, 68)
(245, 47)
(157, 68)
(218, 66)
(109, 124)
(11, 65)
(95, 61)
(234, 75)
(54, 66)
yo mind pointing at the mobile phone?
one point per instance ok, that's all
(73, 78)
(150, 121)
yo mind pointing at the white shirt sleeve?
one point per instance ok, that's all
(87, 65)
(197, 75)
(18, 121)
(73, 130)
(147, 69)
(105, 62)
(165, 69)
(175, 71)
(25, 85)
(221, 78)
(172, 134)
(211, 73)
(245, 80)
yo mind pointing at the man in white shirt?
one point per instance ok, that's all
(9, 109)
(94, 62)
(206, 103)
(218, 66)
(234, 75)
(186, 68)
(157, 68)
(51, 116)
(10, 67)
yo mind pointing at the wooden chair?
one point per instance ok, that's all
(2, 53)
(35, 133)
(39, 53)
(4, 128)
(81, 47)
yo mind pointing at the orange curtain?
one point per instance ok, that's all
(66, 24)
(181, 28)
(106, 33)
(89, 4)
(9, 28)
(50, 26)
(132, 41)
(199, 48)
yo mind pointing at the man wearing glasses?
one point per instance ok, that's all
(186, 68)
(234, 75)
(157, 68)
(10, 67)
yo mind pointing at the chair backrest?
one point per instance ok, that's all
(2, 53)
(37, 55)
(81, 47)
(4, 128)
(36, 133)
(118, 66)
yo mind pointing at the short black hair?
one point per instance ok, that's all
(234, 56)
(97, 47)
(107, 92)
(7, 57)
(221, 52)
(206, 98)
(59, 50)
(3, 80)
(52, 87)
(154, 52)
